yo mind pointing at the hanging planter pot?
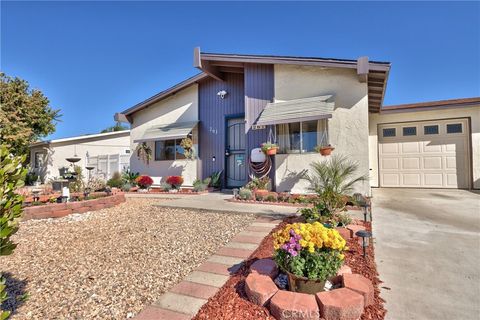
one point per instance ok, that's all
(325, 150)
(269, 148)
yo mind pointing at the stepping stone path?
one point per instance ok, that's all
(184, 300)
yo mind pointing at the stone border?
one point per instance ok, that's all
(345, 303)
(184, 300)
(57, 210)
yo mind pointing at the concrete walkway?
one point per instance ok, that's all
(427, 247)
(217, 201)
(184, 300)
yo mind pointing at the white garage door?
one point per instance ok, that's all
(430, 154)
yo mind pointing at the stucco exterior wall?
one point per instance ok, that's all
(348, 127)
(465, 112)
(56, 153)
(181, 107)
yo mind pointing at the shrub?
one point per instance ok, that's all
(259, 197)
(199, 185)
(12, 177)
(166, 187)
(130, 177)
(317, 258)
(332, 179)
(96, 184)
(245, 194)
(116, 181)
(258, 183)
(175, 181)
(271, 197)
(215, 179)
(77, 185)
(126, 187)
(343, 218)
(31, 178)
(144, 182)
(283, 196)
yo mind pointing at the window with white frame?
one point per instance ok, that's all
(302, 137)
(38, 159)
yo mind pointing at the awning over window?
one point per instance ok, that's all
(297, 110)
(176, 130)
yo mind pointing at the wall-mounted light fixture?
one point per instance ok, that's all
(214, 159)
(222, 94)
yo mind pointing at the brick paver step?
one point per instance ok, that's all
(219, 268)
(194, 289)
(157, 313)
(180, 303)
(232, 252)
(241, 245)
(207, 278)
(231, 261)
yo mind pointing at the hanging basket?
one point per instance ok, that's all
(326, 151)
(271, 152)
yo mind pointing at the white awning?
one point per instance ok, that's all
(297, 110)
(176, 130)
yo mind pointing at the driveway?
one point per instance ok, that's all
(427, 247)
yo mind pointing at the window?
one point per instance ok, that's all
(301, 137)
(168, 150)
(38, 159)
(454, 128)
(430, 129)
(409, 131)
(389, 132)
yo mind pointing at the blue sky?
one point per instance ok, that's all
(95, 59)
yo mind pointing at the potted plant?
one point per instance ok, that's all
(269, 148)
(175, 182)
(144, 182)
(144, 152)
(309, 254)
(259, 185)
(187, 145)
(325, 150)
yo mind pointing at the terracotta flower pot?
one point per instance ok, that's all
(261, 192)
(271, 152)
(326, 151)
(304, 285)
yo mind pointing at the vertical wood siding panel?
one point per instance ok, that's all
(212, 113)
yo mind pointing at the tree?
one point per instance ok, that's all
(117, 127)
(25, 114)
(12, 176)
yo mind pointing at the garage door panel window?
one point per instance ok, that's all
(409, 131)
(454, 128)
(389, 132)
(430, 129)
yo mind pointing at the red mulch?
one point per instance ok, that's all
(231, 302)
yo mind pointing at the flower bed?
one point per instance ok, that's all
(231, 301)
(56, 210)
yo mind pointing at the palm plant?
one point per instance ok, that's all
(332, 179)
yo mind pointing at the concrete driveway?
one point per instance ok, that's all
(427, 246)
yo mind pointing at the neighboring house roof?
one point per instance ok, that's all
(375, 73)
(420, 106)
(106, 135)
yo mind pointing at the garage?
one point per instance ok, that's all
(425, 154)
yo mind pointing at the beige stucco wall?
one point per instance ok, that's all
(466, 112)
(57, 152)
(348, 127)
(181, 107)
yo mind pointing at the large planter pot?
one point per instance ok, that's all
(326, 151)
(304, 285)
(261, 192)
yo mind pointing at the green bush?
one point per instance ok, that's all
(12, 177)
(215, 179)
(31, 178)
(116, 181)
(77, 184)
(245, 194)
(258, 183)
(199, 185)
(130, 177)
(126, 187)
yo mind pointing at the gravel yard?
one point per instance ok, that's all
(110, 263)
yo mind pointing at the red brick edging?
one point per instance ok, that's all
(57, 210)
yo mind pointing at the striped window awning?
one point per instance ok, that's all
(297, 110)
(176, 130)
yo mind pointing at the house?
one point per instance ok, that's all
(105, 152)
(238, 102)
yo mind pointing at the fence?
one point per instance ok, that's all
(106, 165)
